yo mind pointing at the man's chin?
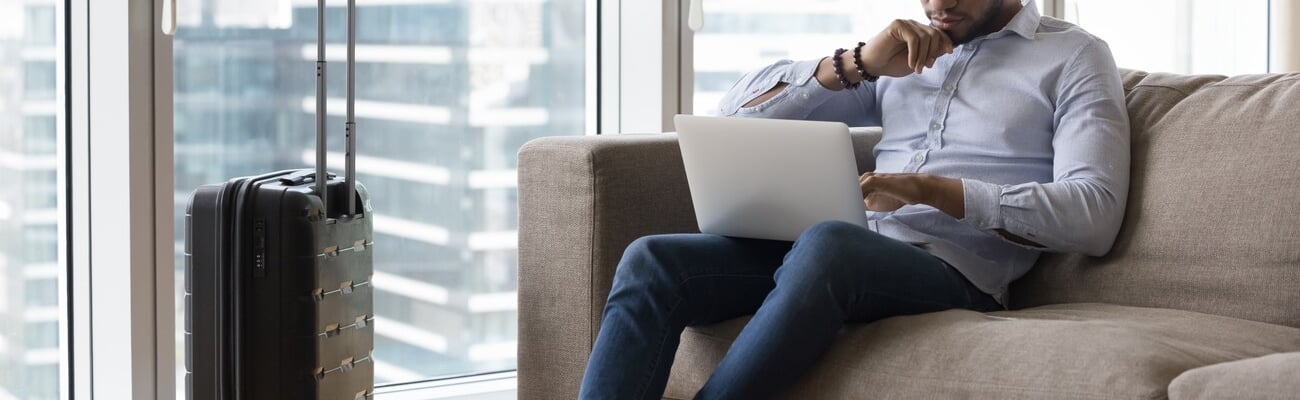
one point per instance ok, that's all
(959, 38)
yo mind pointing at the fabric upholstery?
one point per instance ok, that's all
(1212, 223)
(1051, 352)
(1208, 241)
(1275, 376)
(582, 199)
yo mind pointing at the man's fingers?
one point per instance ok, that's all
(867, 182)
(939, 45)
(923, 55)
(913, 51)
(937, 48)
(879, 202)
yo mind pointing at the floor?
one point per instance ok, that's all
(495, 386)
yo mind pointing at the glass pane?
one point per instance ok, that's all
(447, 92)
(1181, 36)
(742, 35)
(31, 274)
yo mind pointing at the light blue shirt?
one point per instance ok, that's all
(1032, 119)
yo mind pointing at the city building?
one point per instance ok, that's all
(29, 216)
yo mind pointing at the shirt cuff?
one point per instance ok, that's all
(983, 204)
(799, 73)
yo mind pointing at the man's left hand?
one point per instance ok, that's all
(889, 192)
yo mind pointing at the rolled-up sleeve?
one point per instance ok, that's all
(803, 97)
(1082, 208)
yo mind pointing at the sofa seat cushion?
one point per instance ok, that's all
(1056, 351)
(1275, 376)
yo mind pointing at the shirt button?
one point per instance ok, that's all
(935, 126)
(918, 157)
(949, 88)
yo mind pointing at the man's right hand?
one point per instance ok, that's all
(904, 47)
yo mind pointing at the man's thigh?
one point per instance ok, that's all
(717, 277)
(878, 277)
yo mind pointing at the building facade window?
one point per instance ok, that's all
(31, 312)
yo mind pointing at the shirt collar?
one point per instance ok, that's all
(1025, 23)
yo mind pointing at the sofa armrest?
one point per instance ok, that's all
(1268, 377)
(582, 200)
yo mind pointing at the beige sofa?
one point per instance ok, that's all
(1199, 298)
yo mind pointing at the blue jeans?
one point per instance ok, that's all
(800, 294)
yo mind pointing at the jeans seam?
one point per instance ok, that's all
(890, 296)
(683, 282)
(654, 363)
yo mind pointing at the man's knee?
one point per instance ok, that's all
(831, 254)
(832, 231)
(656, 249)
(649, 260)
(838, 238)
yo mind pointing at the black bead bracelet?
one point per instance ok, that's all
(839, 71)
(857, 61)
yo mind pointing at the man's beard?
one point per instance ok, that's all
(981, 28)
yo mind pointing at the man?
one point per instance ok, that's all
(1006, 134)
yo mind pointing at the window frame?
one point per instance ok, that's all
(133, 142)
(649, 41)
(113, 243)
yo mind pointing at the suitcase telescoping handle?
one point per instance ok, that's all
(350, 126)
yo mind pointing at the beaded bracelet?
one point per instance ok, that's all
(857, 61)
(839, 71)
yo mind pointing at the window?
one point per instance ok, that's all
(40, 190)
(1180, 36)
(38, 79)
(743, 35)
(42, 335)
(42, 293)
(39, 135)
(38, 27)
(447, 92)
(31, 310)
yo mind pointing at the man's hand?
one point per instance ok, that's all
(904, 47)
(889, 192)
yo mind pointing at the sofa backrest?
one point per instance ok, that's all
(1213, 218)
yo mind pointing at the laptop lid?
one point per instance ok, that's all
(767, 178)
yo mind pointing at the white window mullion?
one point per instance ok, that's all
(591, 84)
(1054, 8)
(1284, 38)
(609, 13)
(121, 236)
(164, 268)
(648, 63)
(686, 60)
(74, 376)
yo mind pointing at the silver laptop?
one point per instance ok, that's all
(767, 178)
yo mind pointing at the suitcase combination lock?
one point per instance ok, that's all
(259, 249)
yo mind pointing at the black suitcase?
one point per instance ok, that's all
(278, 298)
